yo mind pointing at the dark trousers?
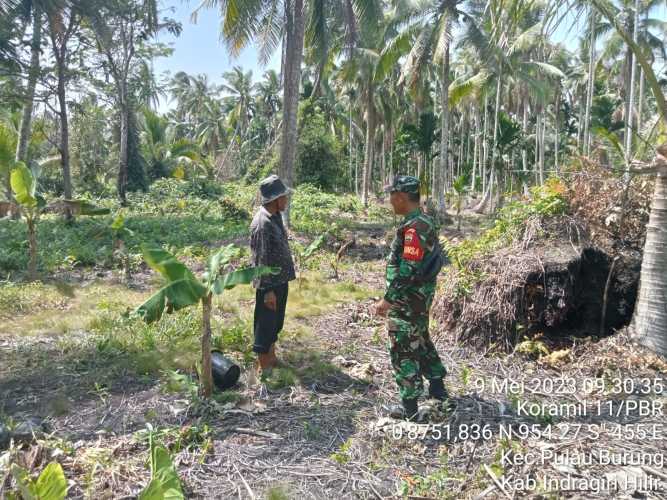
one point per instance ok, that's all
(269, 323)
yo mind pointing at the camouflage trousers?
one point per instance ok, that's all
(413, 355)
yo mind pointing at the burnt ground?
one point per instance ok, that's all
(324, 433)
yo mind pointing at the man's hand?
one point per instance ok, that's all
(382, 307)
(271, 301)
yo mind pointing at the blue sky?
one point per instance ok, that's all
(198, 49)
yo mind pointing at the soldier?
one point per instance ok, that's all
(412, 269)
(269, 246)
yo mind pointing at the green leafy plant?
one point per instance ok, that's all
(33, 205)
(165, 483)
(466, 372)
(183, 289)
(119, 234)
(50, 485)
(304, 254)
(343, 456)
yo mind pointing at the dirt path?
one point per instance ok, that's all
(317, 430)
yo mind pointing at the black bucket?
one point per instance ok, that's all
(225, 372)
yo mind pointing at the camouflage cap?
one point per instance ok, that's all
(404, 184)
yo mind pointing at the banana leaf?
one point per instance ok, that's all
(166, 264)
(176, 295)
(241, 277)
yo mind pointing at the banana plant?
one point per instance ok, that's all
(165, 483)
(119, 232)
(182, 289)
(32, 205)
(50, 485)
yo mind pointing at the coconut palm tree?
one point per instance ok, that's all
(283, 22)
(239, 87)
(267, 97)
(31, 11)
(643, 30)
(515, 45)
(650, 316)
(360, 69)
(427, 34)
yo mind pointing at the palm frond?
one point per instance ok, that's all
(418, 56)
(443, 36)
(270, 31)
(317, 35)
(8, 5)
(397, 47)
(368, 14)
(526, 40)
(547, 68)
(464, 86)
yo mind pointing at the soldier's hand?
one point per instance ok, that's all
(382, 307)
(271, 301)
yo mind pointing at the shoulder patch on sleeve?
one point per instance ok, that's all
(412, 247)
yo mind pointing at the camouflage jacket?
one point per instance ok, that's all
(415, 239)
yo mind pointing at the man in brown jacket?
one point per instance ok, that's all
(269, 246)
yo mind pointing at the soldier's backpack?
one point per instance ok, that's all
(432, 265)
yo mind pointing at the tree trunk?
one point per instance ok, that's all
(64, 131)
(124, 152)
(494, 147)
(294, 32)
(485, 143)
(383, 162)
(370, 143)
(475, 149)
(391, 154)
(29, 96)
(356, 172)
(32, 248)
(556, 110)
(631, 99)
(459, 157)
(206, 374)
(591, 87)
(488, 194)
(438, 184)
(468, 127)
(543, 128)
(524, 150)
(351, 137)
(580, 129)
(650, 316)
(640, 98)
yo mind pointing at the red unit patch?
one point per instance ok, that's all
(412, 247)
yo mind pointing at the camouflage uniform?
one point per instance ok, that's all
(413, 355)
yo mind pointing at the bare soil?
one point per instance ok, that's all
(327, 436)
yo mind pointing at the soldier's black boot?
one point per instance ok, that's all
(436, 390)
(407, 411)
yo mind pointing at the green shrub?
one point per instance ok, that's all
(187, 215)
(318, 151)
(546, 201)
(261, 168)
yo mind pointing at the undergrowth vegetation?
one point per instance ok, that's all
(545, 201)
(185, 217)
